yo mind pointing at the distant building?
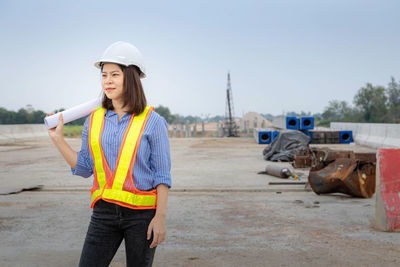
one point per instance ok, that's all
(253, 120)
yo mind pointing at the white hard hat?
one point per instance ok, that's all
(123, 53)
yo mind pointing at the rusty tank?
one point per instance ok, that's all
(351, 176)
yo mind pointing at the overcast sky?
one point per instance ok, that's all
(282, 55)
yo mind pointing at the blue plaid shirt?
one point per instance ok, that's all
(153, 161)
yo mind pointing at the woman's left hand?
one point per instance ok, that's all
(157, 226)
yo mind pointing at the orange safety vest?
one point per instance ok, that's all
(118, 187)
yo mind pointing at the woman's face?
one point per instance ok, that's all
(112, 81)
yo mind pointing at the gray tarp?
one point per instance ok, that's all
(284, 146)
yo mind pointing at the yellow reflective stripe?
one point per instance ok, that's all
(130, 198)
(132, 138)
(95, 134)
(95, 194)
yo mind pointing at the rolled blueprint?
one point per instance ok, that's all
(73, 113)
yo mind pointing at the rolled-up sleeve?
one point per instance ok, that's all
(84, 165)
(160, 157)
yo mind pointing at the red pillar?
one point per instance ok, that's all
(388, 190)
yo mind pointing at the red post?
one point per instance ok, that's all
(388, 190)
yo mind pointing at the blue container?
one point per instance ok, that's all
(346, 137)
(307, 123)
(292, 123)
(309, 134)
(264, 137)
(274, 135)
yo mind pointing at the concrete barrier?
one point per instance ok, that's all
(392, 136)
(387, 215)
(372, 134)
(376, 136)
(362, 133)
(10, 133)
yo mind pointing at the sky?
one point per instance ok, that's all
(286, 55)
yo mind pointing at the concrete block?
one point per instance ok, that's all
(262, 136)
(346, 137)
(279, 122)
(292, 123)
(307, 123)
(377, 135)
(392, 136)
(363, 134)
(387, 215)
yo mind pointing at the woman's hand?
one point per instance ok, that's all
(157, 226)
(56, 133)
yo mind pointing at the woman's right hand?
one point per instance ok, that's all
(57, 132)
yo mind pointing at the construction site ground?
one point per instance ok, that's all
(220, 212)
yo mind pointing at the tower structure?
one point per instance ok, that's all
(230, 127)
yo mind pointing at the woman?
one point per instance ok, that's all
(125, 146)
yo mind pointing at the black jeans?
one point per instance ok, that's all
(110, 223)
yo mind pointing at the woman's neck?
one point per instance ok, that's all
(117, 105)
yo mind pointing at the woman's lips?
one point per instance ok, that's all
(109, 89)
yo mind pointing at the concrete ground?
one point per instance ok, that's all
(220, 212)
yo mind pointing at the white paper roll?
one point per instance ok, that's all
(73, 113)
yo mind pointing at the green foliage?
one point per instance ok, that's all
(73, 131)
(337, 111)
(27, 115)
(393, 94)
(175, 118)
(371, 102)
(164, 112)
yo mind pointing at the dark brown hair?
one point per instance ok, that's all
(133, 94)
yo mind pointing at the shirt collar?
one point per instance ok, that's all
(110, 113)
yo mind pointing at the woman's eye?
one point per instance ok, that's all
(115, 74)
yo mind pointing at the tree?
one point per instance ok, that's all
(22, 116)
(393, 93)
(28, 115)
(7, 117)
(338, 111)
(38, 116)
(371, 102)
(164, 112)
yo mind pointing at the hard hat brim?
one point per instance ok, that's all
(98, 64)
